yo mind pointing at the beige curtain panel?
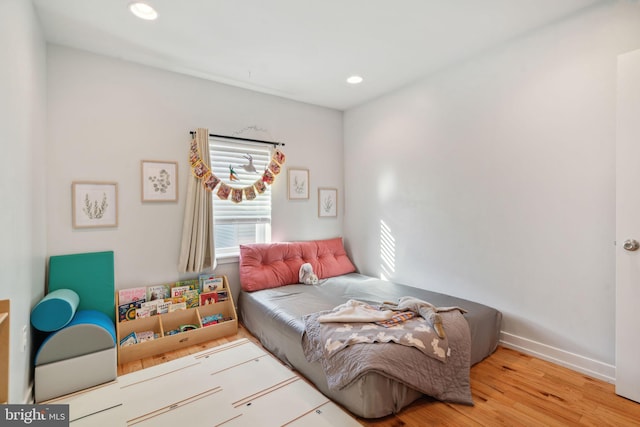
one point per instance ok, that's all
(197, 251)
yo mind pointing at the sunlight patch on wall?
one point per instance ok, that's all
(387, 252)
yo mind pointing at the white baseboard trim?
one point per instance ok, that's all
(28, 396)
(584, 365)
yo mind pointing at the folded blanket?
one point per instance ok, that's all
(358, 311)
(425, 309)
(448, 381)
(355, 311)
(415, 332)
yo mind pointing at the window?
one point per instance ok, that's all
(250, 220)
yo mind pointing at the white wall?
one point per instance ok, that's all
(106, 115)
(22, 178)
(495, 179)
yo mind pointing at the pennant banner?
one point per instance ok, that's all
(210, 181)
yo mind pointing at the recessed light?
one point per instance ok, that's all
(354, 80)
(143, 11)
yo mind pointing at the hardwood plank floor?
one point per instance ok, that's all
(509, 389)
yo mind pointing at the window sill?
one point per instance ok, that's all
(228, 259)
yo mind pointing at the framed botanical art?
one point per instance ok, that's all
(327, 202)
(298, 180)
(159, 181)
(94, 204)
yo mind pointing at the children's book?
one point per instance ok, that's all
(129, 340)
(158, 292)
(212, 320)
(163, 307)
(203, 277)
(223, 296)
(132, 294)
(210, 282)
(145, 312)
(128, 311)
(152, 306)
(208, 298)
(176, 300)
(179, 291)
(145, 336)
(178, 306)
(191, 283)
(191, 298)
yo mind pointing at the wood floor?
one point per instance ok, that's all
(509, 389)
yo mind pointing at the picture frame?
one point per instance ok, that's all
(159, 181)
(327, 202)
(94, 204)
(298, 180)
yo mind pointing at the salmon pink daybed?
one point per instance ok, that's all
(369, 379)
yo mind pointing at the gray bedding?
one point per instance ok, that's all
(446, 380)
(275, 317)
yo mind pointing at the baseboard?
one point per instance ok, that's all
(584, 365)
(28, 396)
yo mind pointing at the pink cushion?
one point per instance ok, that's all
(269, 265)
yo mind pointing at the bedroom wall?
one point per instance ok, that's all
(106, 115)
(494, 180)
(22, 178)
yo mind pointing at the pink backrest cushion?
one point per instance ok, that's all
(269, 265)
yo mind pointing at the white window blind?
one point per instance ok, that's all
(248, 221)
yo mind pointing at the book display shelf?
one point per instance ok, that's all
(159, 333)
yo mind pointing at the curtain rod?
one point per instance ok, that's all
(237, 138)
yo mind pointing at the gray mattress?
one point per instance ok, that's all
(275, 315)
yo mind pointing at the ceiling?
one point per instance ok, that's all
(300, 49)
